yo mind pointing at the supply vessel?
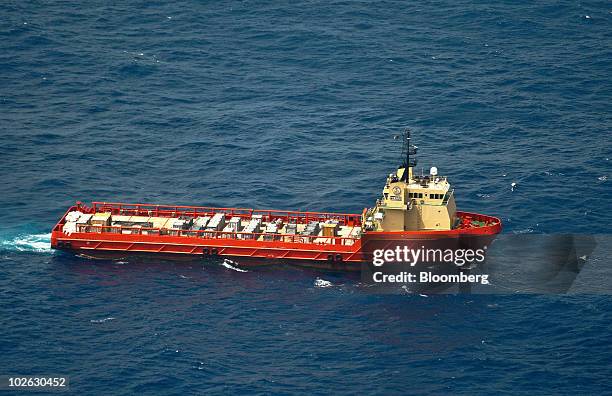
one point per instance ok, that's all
(416, 209)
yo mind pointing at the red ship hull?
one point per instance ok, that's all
(341, 253)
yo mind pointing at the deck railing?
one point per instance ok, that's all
(117, 208)
(209, 234)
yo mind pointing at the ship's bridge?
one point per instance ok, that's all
(413, 203)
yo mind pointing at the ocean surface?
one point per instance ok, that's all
(293, 106)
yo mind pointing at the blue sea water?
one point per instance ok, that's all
(293, 106)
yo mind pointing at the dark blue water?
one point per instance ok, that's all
(256, 104)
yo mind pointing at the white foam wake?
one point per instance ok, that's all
(101, 320)
(28, 243)
(228, 264)
(322, 283)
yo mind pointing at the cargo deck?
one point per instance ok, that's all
(194, 230)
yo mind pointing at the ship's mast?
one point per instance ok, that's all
(408, 149)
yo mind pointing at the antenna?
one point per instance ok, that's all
(408, 149)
